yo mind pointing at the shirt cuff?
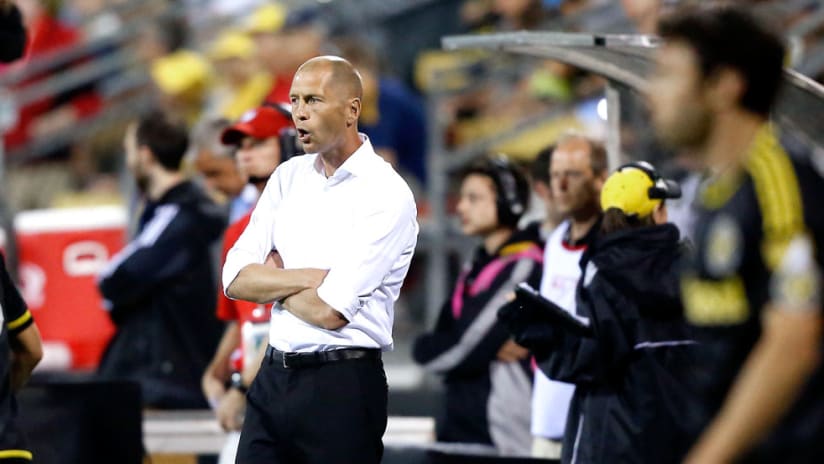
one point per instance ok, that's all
(339, 299)
(231, 269)
(21, 323)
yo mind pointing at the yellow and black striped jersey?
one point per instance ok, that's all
(15, 317)
(755, 243)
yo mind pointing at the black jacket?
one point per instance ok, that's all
(160, 291)
(631, 394)
(12, 34)
(14, 319)
(487, 401)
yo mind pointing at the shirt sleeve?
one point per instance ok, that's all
(466, 346)
(589, 360)
(164, 248)
(226, 310)
(16, 315)
(388, 231)
(795, 284)
(256, 241)
(787, 249)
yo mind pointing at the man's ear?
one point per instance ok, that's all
(354, 111)
(659, 214)
(145, 156)
(725, 88)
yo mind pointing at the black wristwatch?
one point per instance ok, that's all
(236, 382)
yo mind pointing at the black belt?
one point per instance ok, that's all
(315, 358)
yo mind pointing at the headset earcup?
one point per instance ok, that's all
(287, 139)
(503, 210)
(657, 193)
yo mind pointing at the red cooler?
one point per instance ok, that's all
(61, 251)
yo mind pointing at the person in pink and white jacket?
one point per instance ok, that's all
(488, 377)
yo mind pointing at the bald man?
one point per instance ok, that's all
(343, 222)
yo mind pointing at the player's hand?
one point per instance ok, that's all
(512, 352)
(213, 389)
(231, 410)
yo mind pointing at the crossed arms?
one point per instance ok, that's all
(297, 289)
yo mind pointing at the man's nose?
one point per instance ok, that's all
(299, 111)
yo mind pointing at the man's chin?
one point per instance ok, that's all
(680, 139)
(309, 147)
(563, 212)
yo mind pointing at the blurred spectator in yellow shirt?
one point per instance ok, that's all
(285, 39)
(183, 78)
(243, 85)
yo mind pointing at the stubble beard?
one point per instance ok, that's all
(142, 181)
(691, 131)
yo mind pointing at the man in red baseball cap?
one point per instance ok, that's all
(261, 137)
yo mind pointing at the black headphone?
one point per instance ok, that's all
(509, 204)
(287, 137)
(656, 192)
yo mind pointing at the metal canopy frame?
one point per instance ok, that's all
(628, 59)
(622, 58)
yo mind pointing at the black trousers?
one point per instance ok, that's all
(329, 413)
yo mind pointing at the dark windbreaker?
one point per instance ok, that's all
(160, 294)
(631, 395)
(487, 401)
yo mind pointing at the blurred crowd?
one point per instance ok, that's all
(91, 65)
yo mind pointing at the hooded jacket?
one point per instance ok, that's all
(160, 294)
(631, 394)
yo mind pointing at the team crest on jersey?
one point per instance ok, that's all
(724, 247)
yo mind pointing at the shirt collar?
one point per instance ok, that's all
(357, 163)
(584, 241)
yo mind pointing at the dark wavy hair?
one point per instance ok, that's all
(487, 167)
(165, 136)
(729, 36)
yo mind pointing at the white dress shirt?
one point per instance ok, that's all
(360, 223)
(551, 398)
